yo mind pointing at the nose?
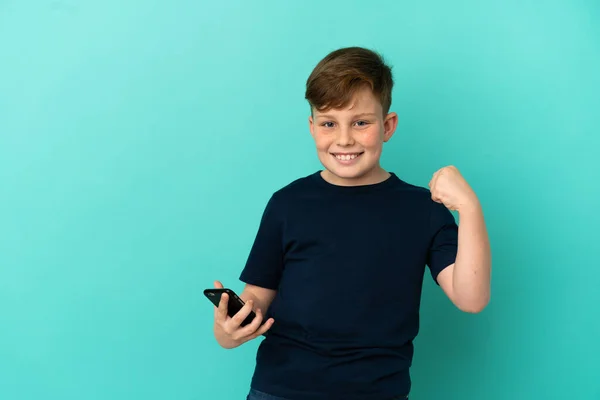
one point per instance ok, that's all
(345, 137)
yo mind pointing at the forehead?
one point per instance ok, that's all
(363, 102)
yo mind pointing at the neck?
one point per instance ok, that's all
(377, 175)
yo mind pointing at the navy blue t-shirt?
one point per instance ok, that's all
(348, 266)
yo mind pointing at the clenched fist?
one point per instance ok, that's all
(449, 188)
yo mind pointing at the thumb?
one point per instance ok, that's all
(218, 285)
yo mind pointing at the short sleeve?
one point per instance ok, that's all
(264, 265)
(444, 239)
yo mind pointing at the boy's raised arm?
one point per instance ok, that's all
(467, 281)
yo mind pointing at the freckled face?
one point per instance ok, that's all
(349, 141)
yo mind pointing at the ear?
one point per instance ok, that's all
(389, 126)
(311, 126)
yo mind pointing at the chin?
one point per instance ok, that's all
(347, 173)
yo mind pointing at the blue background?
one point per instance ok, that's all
(140, 141)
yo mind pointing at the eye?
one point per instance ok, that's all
(362, 123)
(327, 124)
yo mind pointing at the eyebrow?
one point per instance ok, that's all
(327, 116)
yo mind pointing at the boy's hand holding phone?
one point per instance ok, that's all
(233, 329)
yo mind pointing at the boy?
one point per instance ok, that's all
(338, 262)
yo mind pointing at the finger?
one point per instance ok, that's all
(221, 313)
(435, 178)
(263, 329)
(435, 193)
(218, 285)
(241, 315)
(253, 326)
(433, 188)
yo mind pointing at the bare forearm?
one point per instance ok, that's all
(472, 270)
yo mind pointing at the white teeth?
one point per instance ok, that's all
(346, 157)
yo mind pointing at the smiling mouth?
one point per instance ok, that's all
(346, 156)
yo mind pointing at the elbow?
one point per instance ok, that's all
(473, 306)
(472, 309)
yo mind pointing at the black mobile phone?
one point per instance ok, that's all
(234, 303)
